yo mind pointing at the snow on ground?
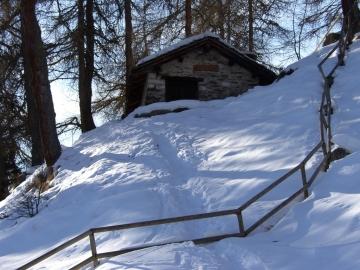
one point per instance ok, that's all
(212, 157)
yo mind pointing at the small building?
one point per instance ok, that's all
(202, 67)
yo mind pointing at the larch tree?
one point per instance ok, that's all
(14, 63)
(91, 53)
(188, 18)
(351, 7)
(85, 49)
(37, 155)
(251, 25)
(128, 39)
(20, 142)
(34, 47)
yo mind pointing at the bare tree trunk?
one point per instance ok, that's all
(228, 21)
(86, 63)
(128, 40)
(4, 183)
(346, 6)
(37, 156)
(220, 18)
(188, 20)
(145, 52)
(40, 82)
(251, 26)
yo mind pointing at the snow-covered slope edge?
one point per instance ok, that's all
(209, 158)
(321, 232)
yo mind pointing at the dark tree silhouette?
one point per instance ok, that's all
(33, 45)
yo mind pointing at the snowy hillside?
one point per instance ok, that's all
(212, 157)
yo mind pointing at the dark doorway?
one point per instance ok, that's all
(181, 88)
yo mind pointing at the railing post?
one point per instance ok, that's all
(303, 176)
(342, 43)
(329, 108)
(322, 126)
(241, 222)
(93, 249)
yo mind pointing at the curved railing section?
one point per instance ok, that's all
(95, 256)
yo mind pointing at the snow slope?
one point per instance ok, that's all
(212, 157)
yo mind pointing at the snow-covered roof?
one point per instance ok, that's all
(188, 41)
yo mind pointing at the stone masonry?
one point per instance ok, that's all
(230, 80)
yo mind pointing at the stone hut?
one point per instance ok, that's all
(202, 67)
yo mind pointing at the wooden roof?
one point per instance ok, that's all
(138, 75)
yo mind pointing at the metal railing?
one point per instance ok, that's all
(325, 118)
(95, 256)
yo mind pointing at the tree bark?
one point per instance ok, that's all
(228, 21)
(40, 82)
(86, 63)
(346, 7)
(188, 19)
(37, 155)
(128, 40)
(251, 26)
(4, 183)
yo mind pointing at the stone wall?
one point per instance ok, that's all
(228, 81)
